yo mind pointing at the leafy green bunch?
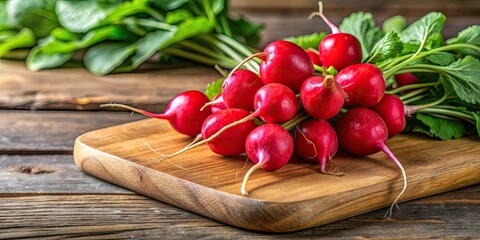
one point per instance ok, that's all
(445, 103)
(120, 35)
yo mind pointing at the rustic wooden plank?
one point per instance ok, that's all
(29, 132)
(80, 90)
(285, 200)
(135, 216)
(48, 174)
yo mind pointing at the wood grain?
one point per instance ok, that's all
(120, 216)
(78, 89)
(43, 132)
(287, 200)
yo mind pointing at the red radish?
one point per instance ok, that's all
(274, 103)
(218, 104)
(316, 140)
(363, 84)
(392, 111)
(362, 132)
(270, 147)
(314, 57)
(183, 112)
(338, 49)
(405, 79)
(239, 89)
(283, 62)
(321, 97)
(231, 141)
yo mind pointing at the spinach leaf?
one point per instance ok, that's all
(363, 27)
(36, 60)
(389, 46)
(470, 35)
(82, 16)
(22, 39)
(104, 57)
(38, 15)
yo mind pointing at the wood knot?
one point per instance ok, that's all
(32, 169)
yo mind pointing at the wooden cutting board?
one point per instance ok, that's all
(293, 198)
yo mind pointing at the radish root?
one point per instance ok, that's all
(247, 176)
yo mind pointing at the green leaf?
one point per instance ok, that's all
(23, 39)
(441, 58)
(37, 60)
(89, 39)
(470, 35)
(423, 31)
(389, 46)
(464, 76)
(124, 10)
(63, 34)
(308, 41)
(38, 15)
(214, 88)
(6, 34)
(5, 22)
(245, 31)
(160, 39)
(395, 23)
(363, 27)
(81, 16)
(177, 16)
(443, 129)
(476, 115)
(104, 57)
(168, 4)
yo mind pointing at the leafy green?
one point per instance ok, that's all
(214, 88)
(419, 33)
(464, 76)
(24, 38)
(363, 27)
(105, 57)
(441, 58)
(470, 35)
(308, 41)
(395, 23)
(38, 60)
(38, 15)
(245, 31)
(443, 129)
(389, 46)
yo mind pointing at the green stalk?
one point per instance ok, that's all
(297, 119)
(148, 23)
(447, 112)
(198, 58)
(413, 86)
(413, 94)
(414, 99)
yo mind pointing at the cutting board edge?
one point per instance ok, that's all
(270, 222)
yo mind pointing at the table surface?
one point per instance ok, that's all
(44, 195)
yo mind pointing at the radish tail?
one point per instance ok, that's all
(220, 99)
(226, 127)
(143, 112)
(247, 176)
(260, 55)
(389, 153)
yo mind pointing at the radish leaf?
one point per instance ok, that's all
(389, 46)
(363, 27)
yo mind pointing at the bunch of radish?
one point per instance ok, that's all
(287, 108)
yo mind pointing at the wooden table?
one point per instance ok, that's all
(43, 194)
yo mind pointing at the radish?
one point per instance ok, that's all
(314, 57)
(184, 112)
(270, 147)
(405, 79)
(231, 141)
(218, 103)
(239, 89)
(337, 49)
(321, 97)
(316, 140)
(392, 111)
(283, 62)
(363, 83)
(362, 132)
(274, 103)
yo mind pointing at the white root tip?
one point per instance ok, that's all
(243, 189)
